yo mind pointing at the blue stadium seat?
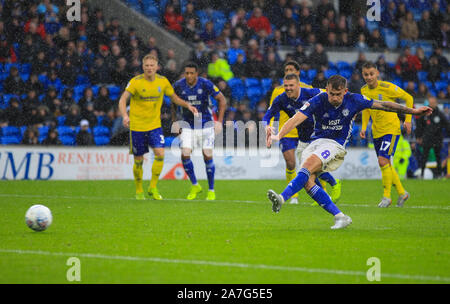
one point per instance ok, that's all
(77, 129)
(252, 82)
(422, 76)
(312, 74)
(10, 140)
(237, 87)
(82, 80)
(440, 85)
(391, 39)
(114, 92)
(95, 89)
(101, 140)
(67, 140)
(330, 72)
(11, 131)
(25, 68)
(266, 84)
(8, 66)
(61, 120)
(346, 73)
(101, 131)
(135, 4)
(43, 132)
(66, 131)
(343, 65)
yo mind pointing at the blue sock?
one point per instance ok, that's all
(328, 178)
(323, 199)
(318, 182)
(210, 170)
(296, 184)
(189, 168)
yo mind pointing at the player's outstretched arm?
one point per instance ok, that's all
(389, 106)
(123, 108)
(177, 100)
(292, 122)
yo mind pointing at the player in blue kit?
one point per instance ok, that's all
(290, 102)
(333, 113)
(199, 130)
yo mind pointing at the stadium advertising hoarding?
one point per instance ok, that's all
(60, 163)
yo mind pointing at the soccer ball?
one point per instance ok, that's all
(38, 217)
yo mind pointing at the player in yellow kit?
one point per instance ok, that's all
(145, 93)
(289, 143)
(385, 129)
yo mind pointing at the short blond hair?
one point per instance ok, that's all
(149, 57)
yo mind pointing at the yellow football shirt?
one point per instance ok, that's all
(283, 116)
(385, 122)
(146, 101)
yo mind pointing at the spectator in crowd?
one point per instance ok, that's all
(33, 83)
(13, 83)
(239, 67)
(383, 68)
(401, 12)
(434, 70)
(409, 29)
(429, 134)
(7, 53)
(173, 20)
(208, 36)
(319, 81)
(190, 31)
(99, 74)
(102, 103)
(121, 73)
(30, 136)
(436, 15)
(422, 91)
(73, 117)
(14, 113)
(424, 63)
(39, 65)
(258, 22)
(443, 35)
(442, 60)
(234, 51)
(67, 100)
(355, 83)
(45, 118)
(219, 67)
(200, 55)
(411, 88)
(319, 58)
(360, 28)
(425, 26)
(84, 136)
(68, 74)
(239, 18)
(52, 138)
(375, 40)
(189, 13)
(49, 99)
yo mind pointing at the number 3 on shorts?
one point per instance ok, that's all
(325, 154)
(162, 139)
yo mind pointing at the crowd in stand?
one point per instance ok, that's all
(52, 68)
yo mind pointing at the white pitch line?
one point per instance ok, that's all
(198, 200)
(227, 264)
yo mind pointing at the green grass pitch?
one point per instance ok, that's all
(235, 239)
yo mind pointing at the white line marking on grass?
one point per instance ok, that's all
(204, 201)
(227, 264)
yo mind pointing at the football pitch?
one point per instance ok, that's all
(235, 239)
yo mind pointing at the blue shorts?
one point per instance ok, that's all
(385, 146)
(140, 141)
(288, 143)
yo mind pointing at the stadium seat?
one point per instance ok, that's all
(440, 85)
(8, 67)
(43, 132)
(95, 89)
(65, 131)
(266, 84)
(61, 120)
(391, 39)
(101, 140)
(11, 131)
(25, 68)
(10, 140)
(346, 73)
(330, 72)
(312, 74)
(82, 80)
(237, 87)
(101, 131)
(343, 65)
(114, 92)
(422, 75)
(100, 120)
(77, 129)
(252, 82)
(67, 140)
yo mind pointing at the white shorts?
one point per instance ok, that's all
(300, 148)
(193, 138)
(329, 151)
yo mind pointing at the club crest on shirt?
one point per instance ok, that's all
(326, 115)
(345, 112)
(159, 89)
(199, 91)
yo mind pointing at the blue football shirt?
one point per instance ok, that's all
(334, 122)
(291, 106)
(199, 97)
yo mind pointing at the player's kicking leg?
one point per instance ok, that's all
(288, 148)
(306, 179)
(156, 141)
(138, 147)
(208, 139)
